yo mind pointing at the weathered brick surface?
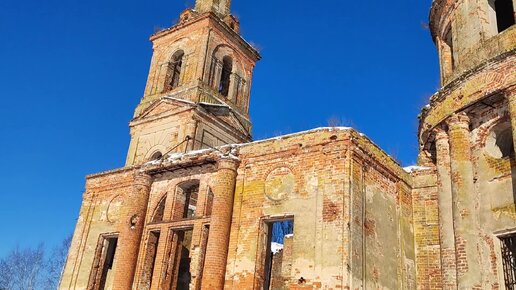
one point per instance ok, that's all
(360, 220)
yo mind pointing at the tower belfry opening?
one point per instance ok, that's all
(198, 85)
(219, 7)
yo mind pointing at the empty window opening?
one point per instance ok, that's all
(181, 260)
(499, 142)
(149, 261)
(175, 69)
(448, 49)
(159, 212)
(225, 78)
(186, 200)
(508, 244)
(278, 259)
(102, 274)
(503, 12)
(505, 143)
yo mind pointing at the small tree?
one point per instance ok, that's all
(55, 263)
(27, 269)
(21, 269)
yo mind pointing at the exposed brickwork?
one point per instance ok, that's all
(201, 218)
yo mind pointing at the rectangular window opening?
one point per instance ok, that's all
(508, 244)
(149, 261)
(185, 205)
(191, 194)
(181, 275)
(102, 273)
(278, 256)
(504, 14)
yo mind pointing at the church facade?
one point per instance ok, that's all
(200, 205)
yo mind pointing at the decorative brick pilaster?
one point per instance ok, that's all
(511, 99)
(130, 231)
(464, 203)
(218, 241)
(447, 238)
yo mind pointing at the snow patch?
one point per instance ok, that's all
(214, 105)
(276, 247)
(413, 168)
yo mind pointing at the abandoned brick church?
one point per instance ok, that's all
(198, 204)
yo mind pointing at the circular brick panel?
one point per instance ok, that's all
(280, 183)
(113, 210)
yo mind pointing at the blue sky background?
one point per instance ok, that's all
(72, 72)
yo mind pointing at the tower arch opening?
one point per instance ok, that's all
(175, 69)
(225, 77)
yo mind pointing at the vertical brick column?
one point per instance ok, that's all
(511, 99)
(464, 204)
(447, 238)
(223, 188)
(191, 130)
(130, 229)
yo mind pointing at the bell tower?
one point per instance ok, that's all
(198, 89)
(219, 7)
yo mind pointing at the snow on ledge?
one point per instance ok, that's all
(230, 152)
(413, 168)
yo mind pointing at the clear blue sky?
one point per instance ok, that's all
(72, 72)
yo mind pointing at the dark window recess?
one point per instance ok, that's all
(149, 260)
(103, 263)
(505, 142)
(225, 78)
(182, 273)
(504, 14)
(509, 261)
(156, 156)
(175, 68)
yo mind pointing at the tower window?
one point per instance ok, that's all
(503, 11)
(508, 244)
(175, 69)
(225, 78)
(448, 40)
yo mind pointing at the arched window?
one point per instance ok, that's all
(225, 77)
(505, 143)
(156, 156)
(499, 142)
(175, 69)
(159, 212)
